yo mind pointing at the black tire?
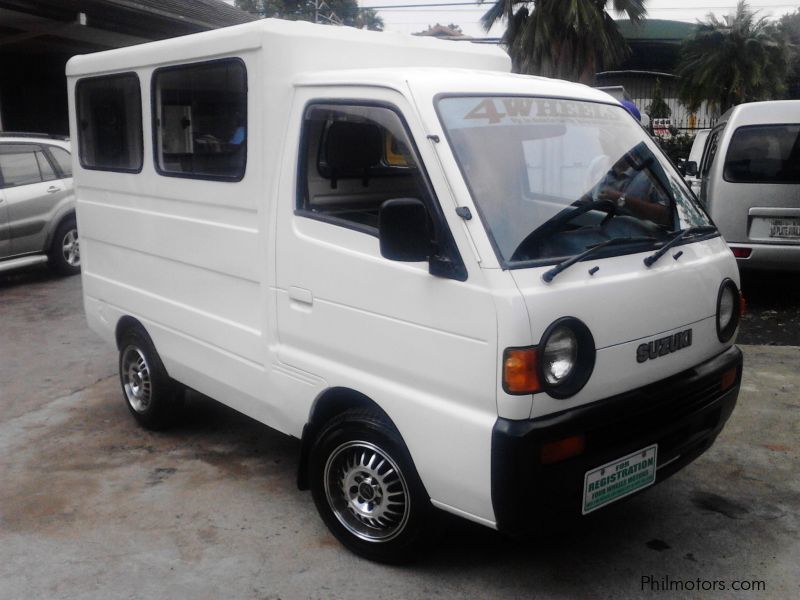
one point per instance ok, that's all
(149, 393)
(65, 253)
(360, 449)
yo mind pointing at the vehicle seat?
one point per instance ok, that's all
(351, 149)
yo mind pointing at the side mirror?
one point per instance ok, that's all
(690, 168)
(403, 230)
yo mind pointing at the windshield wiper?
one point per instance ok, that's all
(680, 236)
(549, 275)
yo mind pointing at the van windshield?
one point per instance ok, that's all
(551, 177)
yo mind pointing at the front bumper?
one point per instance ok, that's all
(683, 414)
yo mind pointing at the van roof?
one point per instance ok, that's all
(291, 47)
(437, 80)
(759, 113)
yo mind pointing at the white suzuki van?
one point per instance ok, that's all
(462, 289)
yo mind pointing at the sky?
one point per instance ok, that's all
(411, 20)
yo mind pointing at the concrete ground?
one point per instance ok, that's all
(91, 506)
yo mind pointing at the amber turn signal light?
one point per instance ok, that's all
(553, 452)
(728, 379)
(521, 371)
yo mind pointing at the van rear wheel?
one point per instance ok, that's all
(150, 394)
(366, 489)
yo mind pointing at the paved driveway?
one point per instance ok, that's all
(91, 506)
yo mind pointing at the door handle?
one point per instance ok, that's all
(53, 189)
(301, 295)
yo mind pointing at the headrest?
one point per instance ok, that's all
(353, 146)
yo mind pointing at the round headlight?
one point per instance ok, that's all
(566, 357)
(559, 355)
(727, 310)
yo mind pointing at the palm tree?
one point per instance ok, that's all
(738, 59)
(568, 39)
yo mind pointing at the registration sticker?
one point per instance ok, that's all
(619, 478)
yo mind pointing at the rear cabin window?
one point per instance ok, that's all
(23, 165)
(764, 154)
(110, 123)
(354, 158)
(200, 120)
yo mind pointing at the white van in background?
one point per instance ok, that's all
(695, 154)
(750, 183)
(464, 289)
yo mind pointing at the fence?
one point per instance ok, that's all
(639, 86)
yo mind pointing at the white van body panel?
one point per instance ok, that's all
(332, 322)
(209, 269)
(639, 295)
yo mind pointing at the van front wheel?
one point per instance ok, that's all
(367, 490)
(149, 392)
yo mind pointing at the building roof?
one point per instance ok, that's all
(205, 13)
(655, 30)
(75, 26)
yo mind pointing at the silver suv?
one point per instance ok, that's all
(37, 204)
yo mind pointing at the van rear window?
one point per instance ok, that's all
(110, 123)
(200, 120)
(764, 154)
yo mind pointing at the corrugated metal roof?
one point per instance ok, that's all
(656, 30)
(207, 13)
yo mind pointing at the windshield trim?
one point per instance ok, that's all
(508, 265)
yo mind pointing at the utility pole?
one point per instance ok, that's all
(331, 17)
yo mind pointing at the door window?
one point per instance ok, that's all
(19, 166)
(711, 151)
(63, 160)
(354, 158)
(45, 168)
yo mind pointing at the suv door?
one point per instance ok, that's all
(32, 189)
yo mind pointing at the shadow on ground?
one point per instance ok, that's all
(773, 309)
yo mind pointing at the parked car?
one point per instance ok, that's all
(750, 183)
(37, 203)
(689, 167)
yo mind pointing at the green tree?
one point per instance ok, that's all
(738, 59)
(338, 12)
(568, 39)
(789, 27)
(658, 108)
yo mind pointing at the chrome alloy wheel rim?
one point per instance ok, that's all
(367, 491)
(71, 249)
(136, 380)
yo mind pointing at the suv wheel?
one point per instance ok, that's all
(65, 251)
